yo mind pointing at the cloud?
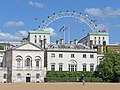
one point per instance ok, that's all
(14, 24)
(37, 4)
(101, 27)
(53, 33)
(13, 37)
(118, 25)
(8, 37)
(22, 33)
(105, 12)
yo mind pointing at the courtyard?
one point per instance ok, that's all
(60, 86)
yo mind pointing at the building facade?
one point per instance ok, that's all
(71, 57)
(25, 63)
(30, 60)
(95, 38)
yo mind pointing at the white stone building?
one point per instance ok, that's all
(25, 63)
(71, 57)
(39, 38)
(3, 70)
(95, 38)
(34, 56)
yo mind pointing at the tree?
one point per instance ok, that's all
(1, 47)
(109, 68)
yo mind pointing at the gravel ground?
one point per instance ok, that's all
(60, 86)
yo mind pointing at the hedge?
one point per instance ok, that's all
(66, 76)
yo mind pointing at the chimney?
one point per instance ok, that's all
(41, 43)
(71, 42)
(57, 42)
(91, 44)
(75, 41)
(44, 43)
(61, 41)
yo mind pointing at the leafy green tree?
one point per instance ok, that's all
(109, 68)
(1, 47)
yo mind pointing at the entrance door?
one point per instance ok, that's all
(27, 79)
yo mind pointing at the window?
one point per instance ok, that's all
(84, 67)
(94, 38)
(69, 67)
(91, 67)
(60, 67)
(19, 61)
(72, 66)
(91, 56)
(52, 55)
(60, 55)
(100, 60)
(37, 76)
(1, 64)
(18, 76)
(53, 67)
(39, 38)
(72, 55)
(37, 63)
(28, 62)
(104, 43)
(103, 38)
(95, 42)
(99, 42)
(44, 37)
(99, 38)
(5, 76)
(84, 55)
(18, 64)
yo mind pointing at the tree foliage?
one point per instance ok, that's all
(109, 68)
(1, 47)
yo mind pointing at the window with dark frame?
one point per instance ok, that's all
(52, 55)
(72, 55)
(60, 55)
(52, 67)
(84, 55)
(91, 55)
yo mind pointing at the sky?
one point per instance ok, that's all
(17, 17)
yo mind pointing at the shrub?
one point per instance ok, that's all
(66, 76)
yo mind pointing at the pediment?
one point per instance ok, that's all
(28, 46)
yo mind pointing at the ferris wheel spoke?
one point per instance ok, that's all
(68, 14)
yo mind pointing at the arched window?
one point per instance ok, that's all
(28, 62)
(38, 61)
(72, 66)
(37, 76)
(18, 76)
(19, 61)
